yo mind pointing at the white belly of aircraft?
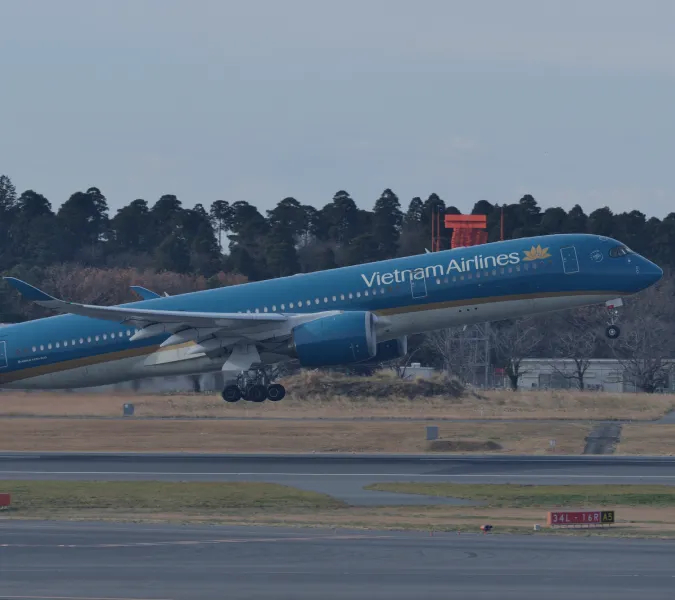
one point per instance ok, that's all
(441, 318)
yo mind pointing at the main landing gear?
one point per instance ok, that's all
(613, 331)
(254, 388)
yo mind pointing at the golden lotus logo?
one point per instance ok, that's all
(536, 253)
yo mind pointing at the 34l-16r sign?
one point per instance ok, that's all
(588, 517)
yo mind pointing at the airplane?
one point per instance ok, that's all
(361, 314)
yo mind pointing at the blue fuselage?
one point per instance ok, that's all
(417, 293)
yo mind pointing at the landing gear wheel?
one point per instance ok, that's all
(276, 392)
(612, 332)
(257, 393)
(231, 393)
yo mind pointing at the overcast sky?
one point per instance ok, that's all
(572, 101)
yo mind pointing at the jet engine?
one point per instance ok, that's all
(342, 339)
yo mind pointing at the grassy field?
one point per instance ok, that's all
(376, 414)
(542, 496)
(648, 511)
(647, 439)
(30, 497)
(108, 435)
(490, 405)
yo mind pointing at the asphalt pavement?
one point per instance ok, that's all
(342, 476)
(120, 561)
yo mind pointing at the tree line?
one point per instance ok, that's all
(290, 238)
(84, 253)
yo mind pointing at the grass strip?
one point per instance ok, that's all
(160, 497)
(541, 496)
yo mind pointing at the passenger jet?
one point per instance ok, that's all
(346, 316)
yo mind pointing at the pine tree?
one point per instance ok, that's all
(387, 222)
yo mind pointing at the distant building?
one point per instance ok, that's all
(417, 370)
(605, 374)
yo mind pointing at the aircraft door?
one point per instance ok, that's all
(570, 260)
(418, 287)
(3, 354)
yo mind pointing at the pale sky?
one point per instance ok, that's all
(572, 101)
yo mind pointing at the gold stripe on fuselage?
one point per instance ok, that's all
(87, 361)
(489, 300)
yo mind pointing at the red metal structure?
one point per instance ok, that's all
(467, 230)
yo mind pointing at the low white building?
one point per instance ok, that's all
(605, 374)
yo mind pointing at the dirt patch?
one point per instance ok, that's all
(603, 439)
(463, 446)
(107, 435)
(383, 385)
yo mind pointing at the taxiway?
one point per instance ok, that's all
(77, 561)
(342, 476)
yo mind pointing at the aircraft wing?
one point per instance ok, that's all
(141, 317)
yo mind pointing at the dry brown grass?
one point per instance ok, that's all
(99, 435)
(489, 405)
(653, 439)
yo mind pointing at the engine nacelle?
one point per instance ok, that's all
(342, 339)
(390, 350)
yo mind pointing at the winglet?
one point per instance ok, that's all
(29, 292)
(145, 293)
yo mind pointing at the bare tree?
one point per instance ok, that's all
(647, 342)
(111, 286)
(574, 339)
(643, 350)
(400, 365)
(514, 341)
(449, 345)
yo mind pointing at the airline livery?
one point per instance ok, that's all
(358, 314)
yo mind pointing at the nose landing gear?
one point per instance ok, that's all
(254, 386)
(613, 331)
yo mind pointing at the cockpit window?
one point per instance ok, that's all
(620, 251)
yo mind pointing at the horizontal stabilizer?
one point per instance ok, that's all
(28, 291)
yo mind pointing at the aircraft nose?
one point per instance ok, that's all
(649, 272)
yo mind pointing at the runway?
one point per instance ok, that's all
(342, 476)
(114, 561)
